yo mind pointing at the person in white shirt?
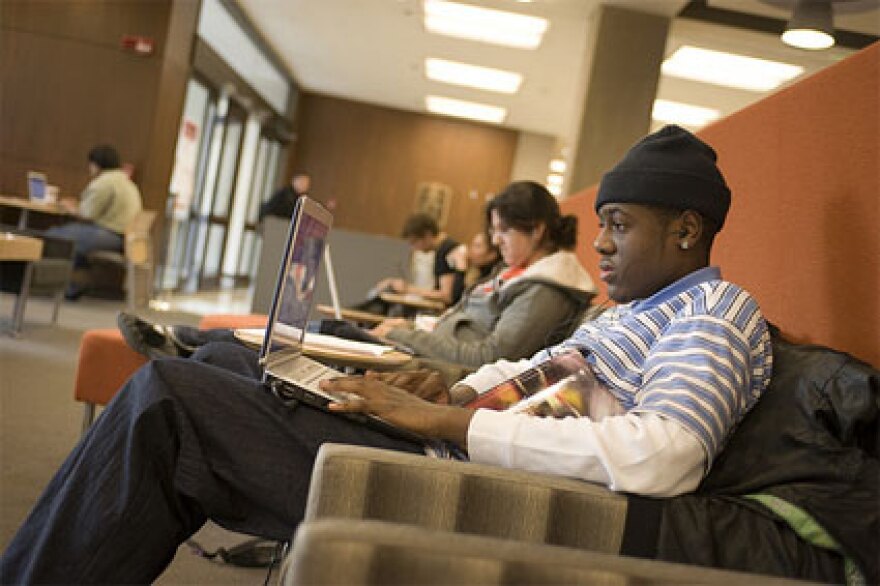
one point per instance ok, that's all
(684, 353)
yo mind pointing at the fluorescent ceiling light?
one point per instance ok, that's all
(463, 109)
(728, 69)
(484, 78)
(557, 166)
(498, 27)
(684, 114)
(554, 179)
(555, 190)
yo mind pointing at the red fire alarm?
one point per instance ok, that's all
(137, 44)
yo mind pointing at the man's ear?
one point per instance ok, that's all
(690, 229)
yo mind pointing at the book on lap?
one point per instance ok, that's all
(562, 386)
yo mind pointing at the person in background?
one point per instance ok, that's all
(107, 205)
(533, 302)
(424, 235)
(283, 201)
(481, 258)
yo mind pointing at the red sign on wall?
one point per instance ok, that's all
(137, 44)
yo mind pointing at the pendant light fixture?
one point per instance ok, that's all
(811, 25)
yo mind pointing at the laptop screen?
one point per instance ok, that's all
(36, 185)
(297, 278)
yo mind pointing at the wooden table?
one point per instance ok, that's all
(355, 315)
(387, 361)
(14, 247)
(413, 301)
(338, 357)
(25, 206)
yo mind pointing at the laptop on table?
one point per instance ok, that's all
(287, 371)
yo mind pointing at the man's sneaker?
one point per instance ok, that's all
(151, 340)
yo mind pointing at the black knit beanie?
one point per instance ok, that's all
(670, 168)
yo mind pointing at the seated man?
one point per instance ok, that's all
(686, 355)
(424, 235)
(109, 202)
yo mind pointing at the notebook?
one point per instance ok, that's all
(287, 371)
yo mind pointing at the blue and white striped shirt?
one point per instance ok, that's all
(697, 352)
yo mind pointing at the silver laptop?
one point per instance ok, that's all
(287, 371)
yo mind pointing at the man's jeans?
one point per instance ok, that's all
(87, 238)
(183, 441)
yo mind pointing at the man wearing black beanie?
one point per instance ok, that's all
(683, 357)
(670, 176)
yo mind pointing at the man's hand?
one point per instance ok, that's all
(70, 204)
(368, 394)
(424, 383)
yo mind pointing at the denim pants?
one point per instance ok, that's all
(87, 238)
(185, 440)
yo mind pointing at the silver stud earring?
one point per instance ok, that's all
(684, 244)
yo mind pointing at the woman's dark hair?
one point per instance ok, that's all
(522, 205)
(104, 156)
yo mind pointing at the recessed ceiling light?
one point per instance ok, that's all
(484, 78)
(728, 69)
(463, 109)
(684, 114)
(499, 27)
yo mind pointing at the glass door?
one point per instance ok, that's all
(187, 181)
(262, 187)
(218, 220)
(226, 164)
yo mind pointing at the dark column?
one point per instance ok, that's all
(622, 84)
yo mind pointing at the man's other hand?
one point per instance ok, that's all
(424, 383)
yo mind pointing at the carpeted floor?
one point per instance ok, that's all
(40, 423)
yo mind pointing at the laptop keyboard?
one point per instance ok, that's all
(308, 373)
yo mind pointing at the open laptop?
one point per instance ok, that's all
(36, 186)
(287, 371)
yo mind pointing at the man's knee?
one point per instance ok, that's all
(230, 356)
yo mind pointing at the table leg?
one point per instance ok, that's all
(23, 219)
(21, 298)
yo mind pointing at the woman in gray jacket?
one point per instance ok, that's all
(533, 302)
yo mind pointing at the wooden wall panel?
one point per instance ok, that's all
(57, 104)
(68, 85)
(802, 234)
(369, 159)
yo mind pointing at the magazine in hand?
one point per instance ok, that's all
(563, 386)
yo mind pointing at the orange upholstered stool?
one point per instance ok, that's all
(106, 361)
